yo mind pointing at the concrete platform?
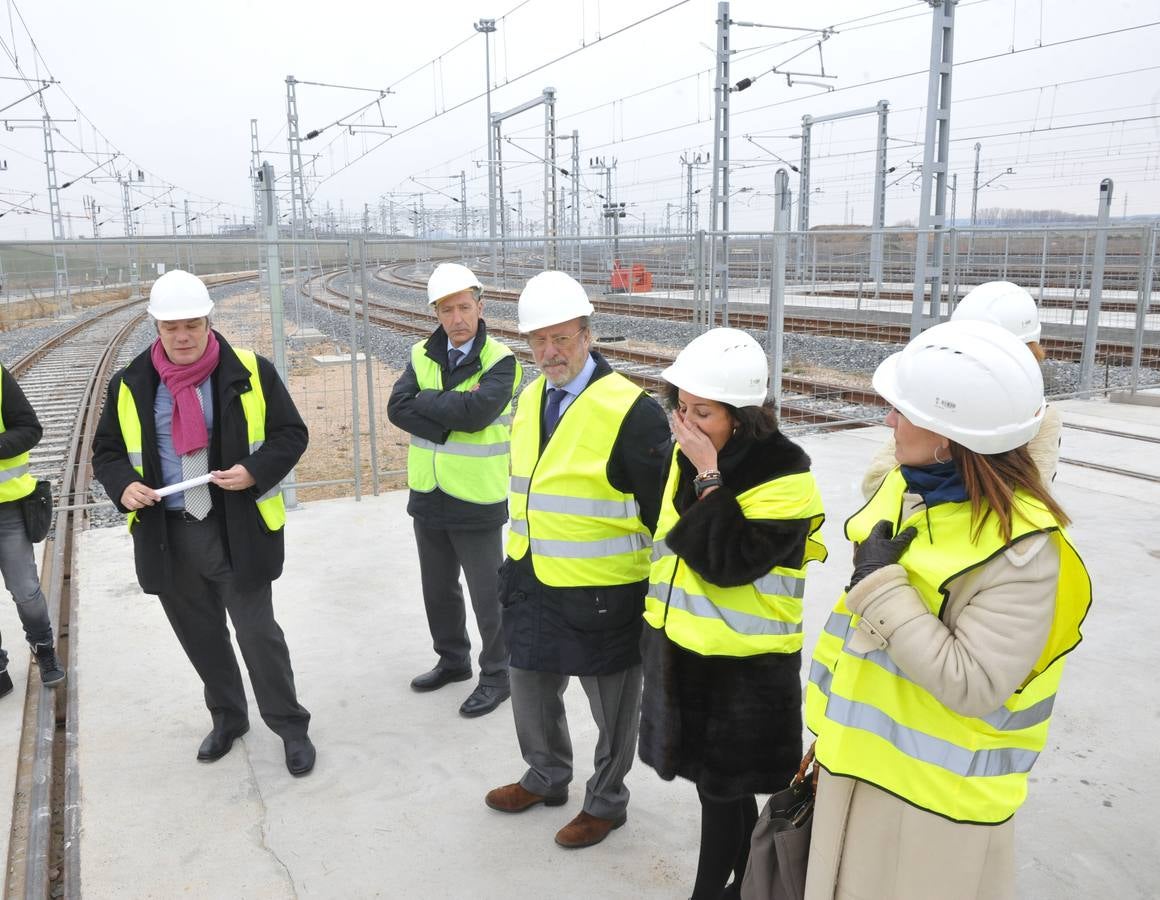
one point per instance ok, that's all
(395, 805)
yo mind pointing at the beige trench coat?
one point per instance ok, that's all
(870, 845)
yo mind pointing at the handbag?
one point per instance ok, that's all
(37, 509)
(780, 846)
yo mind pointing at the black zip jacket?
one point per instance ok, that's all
(255, 553)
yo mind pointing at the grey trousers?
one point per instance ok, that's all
(542, 730)
(18, 565)
(442, 553)
(202, 594)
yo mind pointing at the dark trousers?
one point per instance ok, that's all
(546, 745)
(202, 594)
(443, 552)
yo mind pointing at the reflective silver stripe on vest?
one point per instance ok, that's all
(135, 458)
(928, 749)
(15, 472)
(273, 492)
(629, 543)
(820, 677)
(781, 586)
(582, 506)
(504, 420)
(255, 445)
(460, 449)
(660, 549)
(520, 484)
(740, 622)
(1002, 719)
(837, 625)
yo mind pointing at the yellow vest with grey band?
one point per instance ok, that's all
(15, 481)
(762, 617)
(469, 465)
(581, 530)
(876, 724)
(270, 504)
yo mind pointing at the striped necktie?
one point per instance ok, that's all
(197, 500)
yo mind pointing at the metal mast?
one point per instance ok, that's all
(879, 221)
(61, 289)
(934, 162)
(719, 255)
(256, 180)
(551, 211)
(487, 27)
(297, 192)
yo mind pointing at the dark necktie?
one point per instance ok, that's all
(454, 357)
(552, 410)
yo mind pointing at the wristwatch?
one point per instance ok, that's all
(702, 481)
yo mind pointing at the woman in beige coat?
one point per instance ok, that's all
(1013, 308)
(932, 684)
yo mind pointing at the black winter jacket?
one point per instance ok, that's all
(256, 554)
(22, 429)
(591, 630)
(731, 725)
(433, 414)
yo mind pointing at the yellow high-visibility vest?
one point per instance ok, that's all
(875, 724)
(764, 616)
(580, 529)
(15, 480)
(270, 504)
(470, 465)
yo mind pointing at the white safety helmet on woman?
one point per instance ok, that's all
(451, 278)
(549, 299)
(178, 295)
(1004, 304)
(724, 364)
(970, 381)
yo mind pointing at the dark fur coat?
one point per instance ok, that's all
(731, 725)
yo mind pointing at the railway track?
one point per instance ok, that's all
(641, 366)
(64, 380)
(1063, 349)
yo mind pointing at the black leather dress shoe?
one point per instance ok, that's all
(219, 741)
(484, 699)
(437, 677)
(300, 754)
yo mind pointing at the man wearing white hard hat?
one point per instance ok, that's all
(455, 399)
(188, 409)
(588, 447)
(1013, 309)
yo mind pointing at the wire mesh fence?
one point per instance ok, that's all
(341, 324)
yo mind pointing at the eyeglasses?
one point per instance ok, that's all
(559, 341)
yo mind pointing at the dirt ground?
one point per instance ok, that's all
(324, 396)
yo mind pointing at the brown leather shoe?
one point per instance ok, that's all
(586, 830)
(514, 798)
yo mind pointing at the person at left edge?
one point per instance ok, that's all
(20, 431)
(192, 401)
(455, 400)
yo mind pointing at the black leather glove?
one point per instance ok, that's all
(879, 549)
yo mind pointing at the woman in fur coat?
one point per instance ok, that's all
(722, 656)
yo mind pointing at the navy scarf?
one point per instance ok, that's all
(937, 483)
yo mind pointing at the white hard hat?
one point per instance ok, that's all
(178, 295)
(451, 278)
(724, 364)
(551, 298)
(1005, 304)
(970, 381)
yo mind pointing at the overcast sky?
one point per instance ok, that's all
(173, 87)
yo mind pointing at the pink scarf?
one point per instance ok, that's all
(189, 432)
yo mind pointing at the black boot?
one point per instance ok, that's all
(5, 683)
(51, 674)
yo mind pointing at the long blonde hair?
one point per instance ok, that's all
(991, 481)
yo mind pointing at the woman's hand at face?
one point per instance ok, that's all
(695, 444)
